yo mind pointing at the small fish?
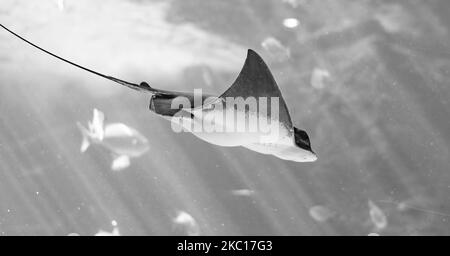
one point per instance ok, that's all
(377, 216)
(320, 213)
(123, 141)
(318, 77)
(242, 192)
(188, 222)
(115, 232)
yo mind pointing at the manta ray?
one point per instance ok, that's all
(276, 134)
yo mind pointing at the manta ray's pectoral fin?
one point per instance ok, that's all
(256, 80)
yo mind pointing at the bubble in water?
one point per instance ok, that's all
(73, 234)
(377, 216)
(373, 234)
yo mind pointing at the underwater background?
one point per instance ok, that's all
(368, 81)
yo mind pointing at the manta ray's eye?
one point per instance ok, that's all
(302, 139)
(144, 84)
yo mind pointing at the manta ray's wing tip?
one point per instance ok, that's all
(251, 52)
(254, 57)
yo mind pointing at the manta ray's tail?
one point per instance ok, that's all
(143, 87)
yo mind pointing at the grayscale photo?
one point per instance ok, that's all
(224, 118)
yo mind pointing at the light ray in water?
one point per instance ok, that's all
(401, 206)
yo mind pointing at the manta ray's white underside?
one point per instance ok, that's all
(269, 137)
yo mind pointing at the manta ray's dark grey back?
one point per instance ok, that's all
(256, 80)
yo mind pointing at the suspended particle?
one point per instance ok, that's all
(291, 22)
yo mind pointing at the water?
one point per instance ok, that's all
(379, 122)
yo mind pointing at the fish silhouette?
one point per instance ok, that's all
(121, 140)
